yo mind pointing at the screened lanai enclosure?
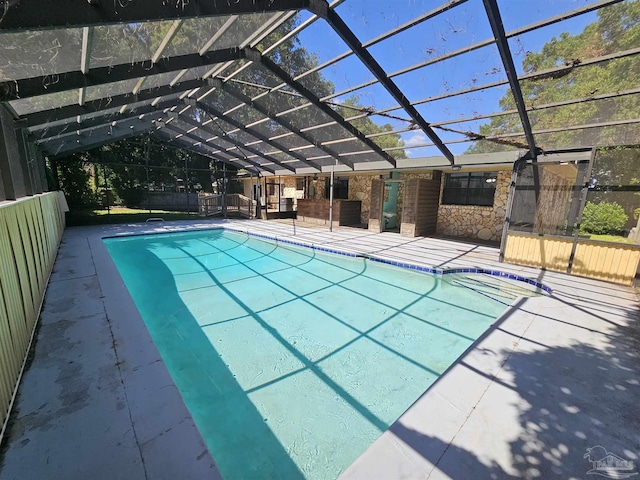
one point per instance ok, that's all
(511, 122)
(283, 88)
(298, 88)
(373, 92)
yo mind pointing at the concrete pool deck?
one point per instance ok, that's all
(554, 376)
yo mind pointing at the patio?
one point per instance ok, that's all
(553, 376)
(511, 123)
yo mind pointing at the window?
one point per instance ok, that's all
(472, 188)
(340, 187)
(300, 183)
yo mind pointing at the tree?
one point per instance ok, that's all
(122, 168)
(74, 178)
(294, 59)
(617, 29)
(170, 168)
(352, 107)
(125, 159)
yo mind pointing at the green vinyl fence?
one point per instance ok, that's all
(30, 232)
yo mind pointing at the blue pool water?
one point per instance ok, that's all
(292, 362)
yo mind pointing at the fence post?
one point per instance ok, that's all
(583, 201)
(509, 207)
(258, 197)
(146, 167)
(224, 190)
(250, 194)
(186, 180)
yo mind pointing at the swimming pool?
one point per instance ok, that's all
(293, 361)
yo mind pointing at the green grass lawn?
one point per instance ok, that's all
(122, 215)
(610, 238)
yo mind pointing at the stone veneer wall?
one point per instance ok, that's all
(319, 187)
(473, 221)
(360, 189)
(288, 182)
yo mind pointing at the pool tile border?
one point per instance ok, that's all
(409, 266)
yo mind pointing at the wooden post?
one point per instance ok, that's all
(331, 201)
(375, 209)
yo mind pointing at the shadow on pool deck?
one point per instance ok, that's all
(558, 401)
(552, 419)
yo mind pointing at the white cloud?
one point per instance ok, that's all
(417, 138)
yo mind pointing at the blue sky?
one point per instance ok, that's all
(459, 27)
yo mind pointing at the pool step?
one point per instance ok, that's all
(499, 289)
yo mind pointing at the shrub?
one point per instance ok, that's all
(603, 218)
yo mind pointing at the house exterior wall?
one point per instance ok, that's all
(248, 185)
(408, 176)
(484, 223)
(316, 190)
(288, 187)
(472, 221)
(360, 189)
